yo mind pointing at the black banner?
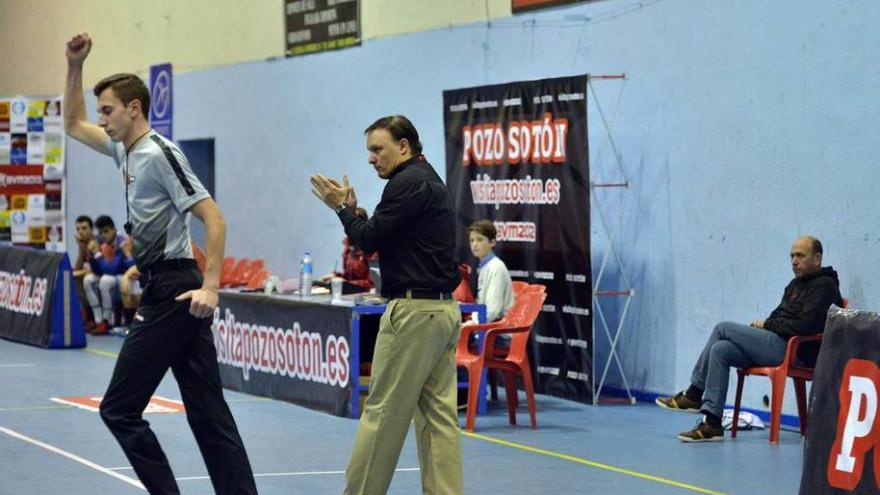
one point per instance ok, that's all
(27, 284)
(289, 350)
(517, 154)
(842, 453)
(319, 25)
(524, 5)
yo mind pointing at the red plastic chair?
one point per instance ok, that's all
(257, 280)
(519, 286)
(233, 276)
(518, 322)
(226, 270)
(250, 269)
(463, 292)
(789, 367)
(201, 260)
(502, 351)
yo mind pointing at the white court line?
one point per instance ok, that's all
(73, 457)
(301, 473)
(17, 365)
(77, 404)
(34, 408)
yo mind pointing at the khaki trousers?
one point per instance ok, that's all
(413, 376)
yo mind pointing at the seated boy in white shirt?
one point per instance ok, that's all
(494, 287)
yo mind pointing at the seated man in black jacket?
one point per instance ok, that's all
(802, 311)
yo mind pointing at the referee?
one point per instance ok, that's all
(413, 373)
(171, 328)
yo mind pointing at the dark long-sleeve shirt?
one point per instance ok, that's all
(412, 228)
(805, 304)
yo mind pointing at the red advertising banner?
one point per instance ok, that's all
(21, 179)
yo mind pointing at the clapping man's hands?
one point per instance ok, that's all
(331, 192)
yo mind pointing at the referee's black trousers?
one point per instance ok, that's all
(164, 335)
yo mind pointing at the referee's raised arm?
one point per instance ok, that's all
(76, 124)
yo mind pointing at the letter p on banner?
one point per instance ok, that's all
(858, 428)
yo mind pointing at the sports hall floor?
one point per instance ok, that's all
(48, 448)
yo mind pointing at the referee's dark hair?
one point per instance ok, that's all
(127, 87)
(400, 128)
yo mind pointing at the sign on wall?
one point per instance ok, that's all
(162, 99)
(32, 172)
(320, 25)
(517, 154)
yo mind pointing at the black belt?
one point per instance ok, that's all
(421, 294)
(166, 266)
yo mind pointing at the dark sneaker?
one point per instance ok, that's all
(678, 402)
(703, 432)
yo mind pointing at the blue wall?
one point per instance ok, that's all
(741, 126)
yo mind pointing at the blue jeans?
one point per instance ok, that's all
(733, 345)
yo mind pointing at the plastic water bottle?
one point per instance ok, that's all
(305, 276)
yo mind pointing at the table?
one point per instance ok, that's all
(305, 352)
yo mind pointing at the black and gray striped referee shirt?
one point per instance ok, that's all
(162, 188)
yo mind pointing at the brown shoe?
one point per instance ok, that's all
(703, 432)
(678, 402)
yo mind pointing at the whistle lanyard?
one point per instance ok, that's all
(127, 225)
